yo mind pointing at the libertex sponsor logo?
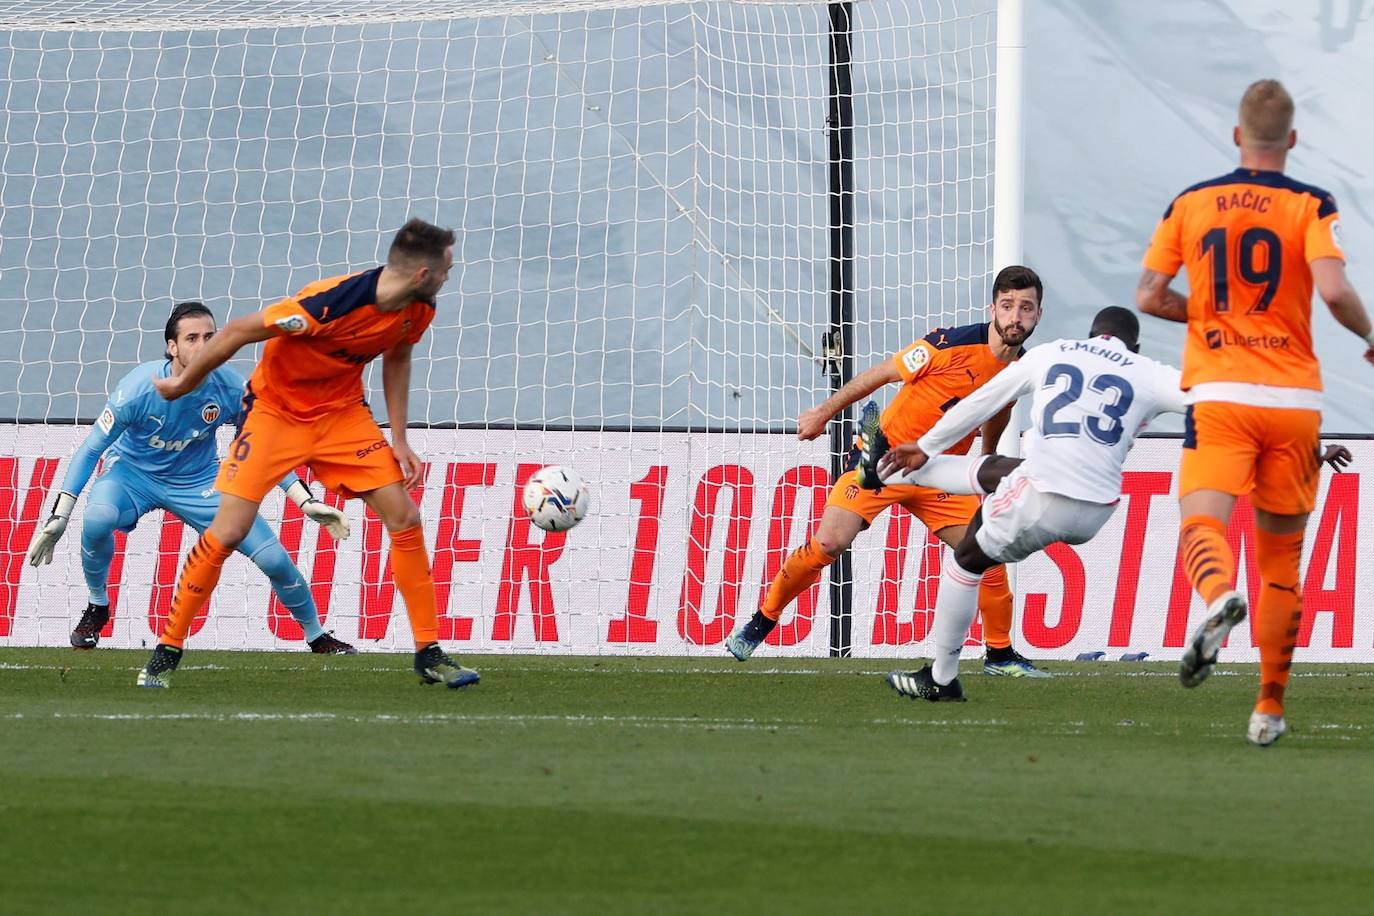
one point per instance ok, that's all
(1218, 338)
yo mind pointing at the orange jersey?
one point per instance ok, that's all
(1247, 239)
(327, 334)
(938, 371)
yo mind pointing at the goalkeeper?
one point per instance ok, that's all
(162, 455)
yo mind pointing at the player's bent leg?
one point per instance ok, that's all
(414, 580)
(990, 472)
(995, 603)
(955, 609)
(1210, 566)
(836, 532)
(268, 554)
(199, 576)
(968, 475)
(104, 515)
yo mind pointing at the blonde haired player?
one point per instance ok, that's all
(1254, 242)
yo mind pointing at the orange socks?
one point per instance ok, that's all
(807, 562)
(801, 569)
(1276, 619)
(199, 575)
(410, 570)
(994, 603)
(1207, 557)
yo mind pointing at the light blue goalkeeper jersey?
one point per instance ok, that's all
(172, 442)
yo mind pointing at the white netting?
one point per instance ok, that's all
(641, 193)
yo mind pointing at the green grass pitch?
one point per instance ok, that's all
(291, 783)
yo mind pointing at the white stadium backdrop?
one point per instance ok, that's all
(670, 556)
(643, 199)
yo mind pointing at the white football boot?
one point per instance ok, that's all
(1265, 729)
(1200, 657)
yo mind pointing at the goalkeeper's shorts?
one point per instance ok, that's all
(345, 449)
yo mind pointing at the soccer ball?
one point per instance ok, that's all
(555, 498)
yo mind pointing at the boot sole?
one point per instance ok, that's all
(1196, 665)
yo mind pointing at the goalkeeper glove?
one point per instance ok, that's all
(319, 512)
(40, 551)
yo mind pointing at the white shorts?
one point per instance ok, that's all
(1019, 520)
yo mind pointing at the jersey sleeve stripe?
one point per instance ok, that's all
(351, 293)
(967, 335)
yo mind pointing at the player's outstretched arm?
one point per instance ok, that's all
(1154, 297)
(396, 388)
(1334, 287)
(108, 427)
(960, 420)
(234, 336)
(811, 424)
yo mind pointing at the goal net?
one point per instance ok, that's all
(645, 198)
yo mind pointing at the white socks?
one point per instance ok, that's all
(947, 473)
(955, 609)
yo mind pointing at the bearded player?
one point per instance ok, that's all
(162, 456)
(305, 405)
(936, 372)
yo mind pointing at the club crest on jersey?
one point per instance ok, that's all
(209, 413)
(291, 324)
(916, 358)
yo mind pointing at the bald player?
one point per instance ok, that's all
(1254, 242)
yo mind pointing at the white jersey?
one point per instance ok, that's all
(1090, 398)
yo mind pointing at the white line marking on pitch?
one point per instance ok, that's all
(515, 719)
(734, 671)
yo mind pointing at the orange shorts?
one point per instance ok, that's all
(1267, 452)
(935, 509)
(345, 449)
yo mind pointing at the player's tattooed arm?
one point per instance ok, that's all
(811, 424)
(1346, 307)
(1154, 297)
